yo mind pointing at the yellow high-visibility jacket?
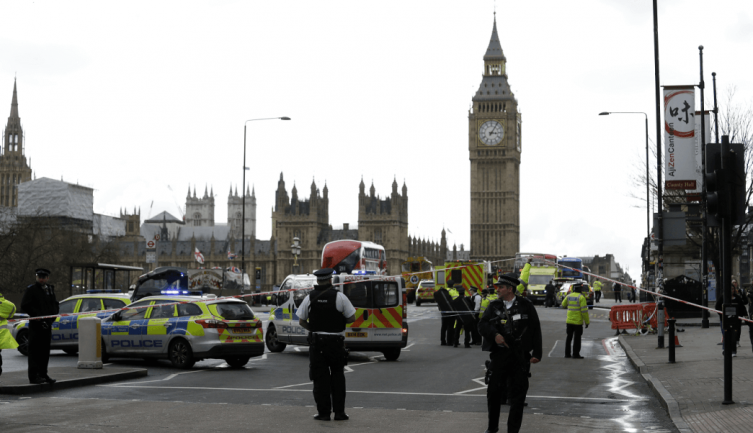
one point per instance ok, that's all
(577, 309)
(597, 286)
(524, 275)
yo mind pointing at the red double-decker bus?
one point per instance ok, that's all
(353, 257)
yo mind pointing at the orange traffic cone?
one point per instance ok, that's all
(677, 342)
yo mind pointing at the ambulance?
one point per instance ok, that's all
(462, 273)
(381, 313)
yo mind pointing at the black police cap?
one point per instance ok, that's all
(42, 272)
(324, 274)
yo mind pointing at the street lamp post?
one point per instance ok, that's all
(295, 249)
(648, 196)
(243, 192)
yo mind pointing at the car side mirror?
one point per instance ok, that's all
(116, 317)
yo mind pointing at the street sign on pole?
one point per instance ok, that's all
(151, 257)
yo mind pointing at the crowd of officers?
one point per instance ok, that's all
(509, 325)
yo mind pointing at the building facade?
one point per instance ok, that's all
(14, 168)
(494, 145)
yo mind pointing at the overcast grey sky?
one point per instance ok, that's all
(140, 99)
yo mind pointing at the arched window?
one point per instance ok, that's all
(197, 219)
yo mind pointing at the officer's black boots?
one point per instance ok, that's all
(341, 416)
(320, 417)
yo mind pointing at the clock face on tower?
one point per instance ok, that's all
(491, 133)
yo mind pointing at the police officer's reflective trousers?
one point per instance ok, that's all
(573, 335)
(327, 370)
(40, 335)
(509, 382)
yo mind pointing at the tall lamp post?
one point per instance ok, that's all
(243, 200)
(295, 249)
(648, 196)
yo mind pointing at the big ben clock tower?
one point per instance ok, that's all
(494, 128)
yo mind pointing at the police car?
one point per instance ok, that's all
(184, 333)
(566, 288)
(65, 329)
(381, 314)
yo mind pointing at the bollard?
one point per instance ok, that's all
(89, 342)
(671, 340)
(660, 322)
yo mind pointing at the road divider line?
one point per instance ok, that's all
(428, 394)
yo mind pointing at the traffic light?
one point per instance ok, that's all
(725, 188)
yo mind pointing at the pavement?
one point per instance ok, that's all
(692, 389)
(17, 382)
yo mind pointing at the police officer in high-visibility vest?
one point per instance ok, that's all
(7, 310)
(597, 290)
(325, 312)
(39, 300)
(511, 330)
(577, 315)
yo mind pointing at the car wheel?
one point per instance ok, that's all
(70, 351)
(23, 342)
(237, 361)
(418, 302)
(180, 354)
(271, 339)
(391, 354)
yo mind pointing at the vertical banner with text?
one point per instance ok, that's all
(679, 138)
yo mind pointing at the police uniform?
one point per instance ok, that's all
(577, 315)
(39, 300)
(518, 322)
(326, 310)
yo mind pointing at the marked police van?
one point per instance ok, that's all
(65, 329)
(381, 323)
(184, 333)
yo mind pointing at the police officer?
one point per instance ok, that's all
(511, 330)
(597, 290)
(444, 300)
(39, 300)
(476, 299)
(7, 310)
(577, 315)
(463, 306)
(325, 312)
(549, 291)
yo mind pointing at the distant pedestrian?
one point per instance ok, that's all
(577, 315)
(7, 310)
(444, 303)
(39, 300)
(617, 292)
(597, 290)
(549, 292)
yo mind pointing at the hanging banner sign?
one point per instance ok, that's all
(680, 168)
(698, 153)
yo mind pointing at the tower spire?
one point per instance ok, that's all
(14, 104)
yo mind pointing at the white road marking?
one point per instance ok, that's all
(298, 384)
(470, 390)
(409, 346)
(204, 388)
(172, 376)
(553, 347)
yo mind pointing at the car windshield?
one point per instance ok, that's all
(235, 311)
(539, 279)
